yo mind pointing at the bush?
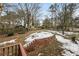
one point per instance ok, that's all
(74, 39)
(20, 29)
(10, 33)
(7, 31)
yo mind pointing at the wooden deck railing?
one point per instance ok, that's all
(13, 50)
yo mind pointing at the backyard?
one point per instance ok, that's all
(39, 29)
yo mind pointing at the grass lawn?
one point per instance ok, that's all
(73, 35)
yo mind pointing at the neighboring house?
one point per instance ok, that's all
(77, 21)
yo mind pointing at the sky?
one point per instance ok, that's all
(45, 9)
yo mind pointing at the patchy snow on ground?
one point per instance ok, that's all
(37, 35)
(6, 42)
(55, 32)
(70, 48)
(65, 32)
(68, 53)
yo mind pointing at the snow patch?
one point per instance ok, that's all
(68, 53)
(65, 32)
(68, 46)
(37, 35)
(11, 41)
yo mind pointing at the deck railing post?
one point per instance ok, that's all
(12, 50)
(23, 52)
(3, 51)
(8, 51)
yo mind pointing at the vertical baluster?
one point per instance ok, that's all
(8, 51)
(12, 50)
(3, 51)
(0, 51)
(15, 50)
(19, 51)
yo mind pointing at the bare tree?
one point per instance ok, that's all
(31, 12)
(47, 23)
(54, 9)
(72, 8)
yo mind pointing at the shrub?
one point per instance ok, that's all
(20, 29)
(10, 33)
